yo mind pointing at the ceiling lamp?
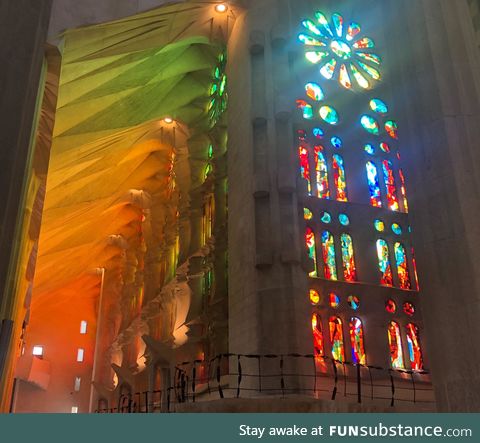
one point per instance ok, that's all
(221, 8)
(168, 120)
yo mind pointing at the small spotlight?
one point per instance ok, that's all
(168, 120)
(221, 7)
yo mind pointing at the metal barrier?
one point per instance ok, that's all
(216, 381)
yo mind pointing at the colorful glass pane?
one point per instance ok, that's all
(334, 300)
(372, 72)
(409, 309)
(390, 185)
(370, 124)
(307, 214)
(343, 219)
(357, 342)
(349, 269)
(385, 147)
(338, 23)
(336, 142)
(397, 229)
(326, 218)
(369, 57)
(403, 190)
(373, 185)
(352, 31)
(312, 253)
(364, 43)
(328, 114)
(384, 266)
(336, 339)
(395, 345)
(210, 151)
(317, 335)
(361, 80)
(379, 225)
(414, 348)
(314, 297)
(391, 306)
(369, 149)
(310, 41)
(321, 169)
(414, 264)
(306, 109)
(318, 133)
(305, 167)
(344, 77)
(392, 129)
(340, 178)
(316, 56)
(301, 135)
(324, 26)
(308, 24)
(328, 248)
(353, 302)
(314, 91)
(378, 106)
(402, 267)
(341, 49)
(329, 69)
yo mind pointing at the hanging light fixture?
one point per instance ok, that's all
(221, 8)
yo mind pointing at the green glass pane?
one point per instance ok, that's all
(396, 228)
(315, 57)
(378, 106)
(370, 124)
(369, 149)
(329, 114)
(379, 225)
(329, 69)
(341, 49)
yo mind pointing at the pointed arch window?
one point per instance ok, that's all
(336, 339)
(403, 190)
(395, 345)
(312, 252)
(328, 248)
(321, 169)
(402, 266)
(384, 266)
(317, 335)
(349, 269)
(340, 178)
(357, 341)
(390, 185)
(374, 185)
(305, 167)
(414, 349)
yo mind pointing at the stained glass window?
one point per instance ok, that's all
(373, 185)
(378, 106)
(414, 348)
(336, 339)
(390, 185)
(340, 178)
(403, 190)
(369, 149)
(312, 253)
(370, 124)
(334, 300)
(307, 214)
(336, 142)
(333, 43)
(307, 110)
(384, 266)
(379, 225)
(397, 229)
(318, 133)
(402, 266)
(395, 344)
(317, 335)
(392, 129)
(326, 218)
(414, 263)
(314, 297)
(357, 341)
(328, 247)
(321, 170)
(329, 115)
(218, 91)
(343, 219)
(349, 269)
(353, 302)
(305, 167)
(385, 147)
(314, 91)
(391, 306)
(409, 309)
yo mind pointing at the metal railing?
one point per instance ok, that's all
(258, 376)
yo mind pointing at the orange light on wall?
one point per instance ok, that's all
(221, 8)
